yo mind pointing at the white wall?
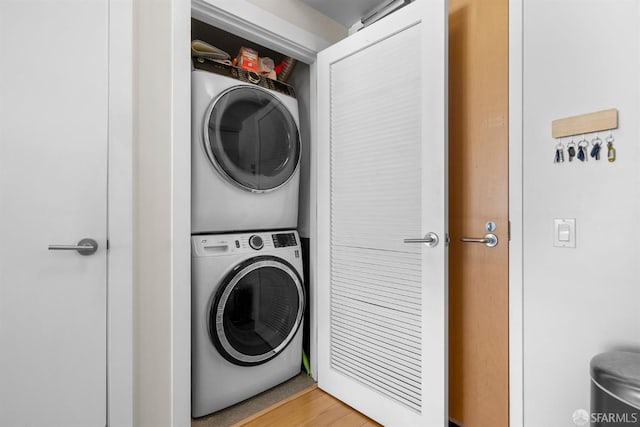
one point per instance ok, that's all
(579, 56)
(161, 202)
(305, 17)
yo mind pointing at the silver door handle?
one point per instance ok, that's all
(84, 247)
(490, 240)
(430, 239)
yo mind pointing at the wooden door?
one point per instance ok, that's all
(478, 179)
(382, 179)
(53, 191)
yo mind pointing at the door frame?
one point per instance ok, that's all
(516, 217)
(120, 216)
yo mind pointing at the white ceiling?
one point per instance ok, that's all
(346, 12)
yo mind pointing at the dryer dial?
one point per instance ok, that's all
(256, 242)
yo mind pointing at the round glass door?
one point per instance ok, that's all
(256, 311)
(252, 139)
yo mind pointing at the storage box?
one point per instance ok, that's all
(248, 59)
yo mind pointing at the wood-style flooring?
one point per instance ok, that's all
(311, 407)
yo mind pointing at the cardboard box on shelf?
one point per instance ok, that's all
(248, 59)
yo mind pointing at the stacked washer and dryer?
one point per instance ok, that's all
(247, 290)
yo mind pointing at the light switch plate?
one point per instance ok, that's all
(564, 232)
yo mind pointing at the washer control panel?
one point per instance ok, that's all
(226, 244)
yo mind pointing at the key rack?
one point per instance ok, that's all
(585, 123)
(587, 145)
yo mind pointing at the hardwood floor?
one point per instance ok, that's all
(311, 407)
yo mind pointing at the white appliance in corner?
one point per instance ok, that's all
(245, 154)
(247, 314)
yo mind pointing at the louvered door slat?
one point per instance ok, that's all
(379, 321)
(401, 364)
(394, 328)
(384, 315)
(401, 287)
(342, 332)
(365, 291)
(414, 264)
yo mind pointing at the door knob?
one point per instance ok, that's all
(430, 239)
(490, 240)
(84, 247)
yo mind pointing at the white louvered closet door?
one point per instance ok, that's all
(382, 143)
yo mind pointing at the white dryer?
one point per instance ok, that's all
(247, 311)
(245, 155)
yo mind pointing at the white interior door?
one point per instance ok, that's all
(53, 191)
(382, 312)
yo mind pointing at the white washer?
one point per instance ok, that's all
(245, 155)
(247, 313)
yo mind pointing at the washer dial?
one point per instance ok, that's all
(256, 242)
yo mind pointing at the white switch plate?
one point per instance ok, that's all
(560, 229)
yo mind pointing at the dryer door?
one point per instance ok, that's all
(257, 310)
(252, 139)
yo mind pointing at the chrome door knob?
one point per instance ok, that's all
(489, 240)
(430, 239)
(84, 247)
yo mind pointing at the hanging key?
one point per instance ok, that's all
(571, 150)
(611, 152)
(559, 157)
(595, 151)
(582, 150)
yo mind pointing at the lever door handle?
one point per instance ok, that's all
(430, 239)
(490, 240)
(84, 247)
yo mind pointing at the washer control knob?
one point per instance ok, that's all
(256, 242)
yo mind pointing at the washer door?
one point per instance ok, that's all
(252, 139)
(257, 310)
